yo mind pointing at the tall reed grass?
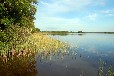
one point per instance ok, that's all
(36, 42)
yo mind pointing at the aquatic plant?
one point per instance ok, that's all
(101, 68)
(36, 42)
(44, 44)
(108, 72)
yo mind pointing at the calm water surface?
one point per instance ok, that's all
(83, 58)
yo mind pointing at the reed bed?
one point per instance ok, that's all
(35, 43)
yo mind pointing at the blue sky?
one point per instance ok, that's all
(75, 15)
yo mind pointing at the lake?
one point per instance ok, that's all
(86, 53)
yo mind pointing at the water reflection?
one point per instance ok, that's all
(19, 66)
(81, 34)
(83, 60)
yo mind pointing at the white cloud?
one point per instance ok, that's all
(109, 12)
(91, 16)
(49, 15)
(45, 22)
(44, 3)
(63, 6)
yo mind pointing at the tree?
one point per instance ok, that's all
(19, 12)
(16, 21)
(37, 29)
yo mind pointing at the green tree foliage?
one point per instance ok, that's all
(16, 21)
(17, 11)
(37, 29)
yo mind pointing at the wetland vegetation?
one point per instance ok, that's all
(27, 51)
(20, 40)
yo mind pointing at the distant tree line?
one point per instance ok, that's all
(56, 31)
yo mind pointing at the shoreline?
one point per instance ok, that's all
(65, 32)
